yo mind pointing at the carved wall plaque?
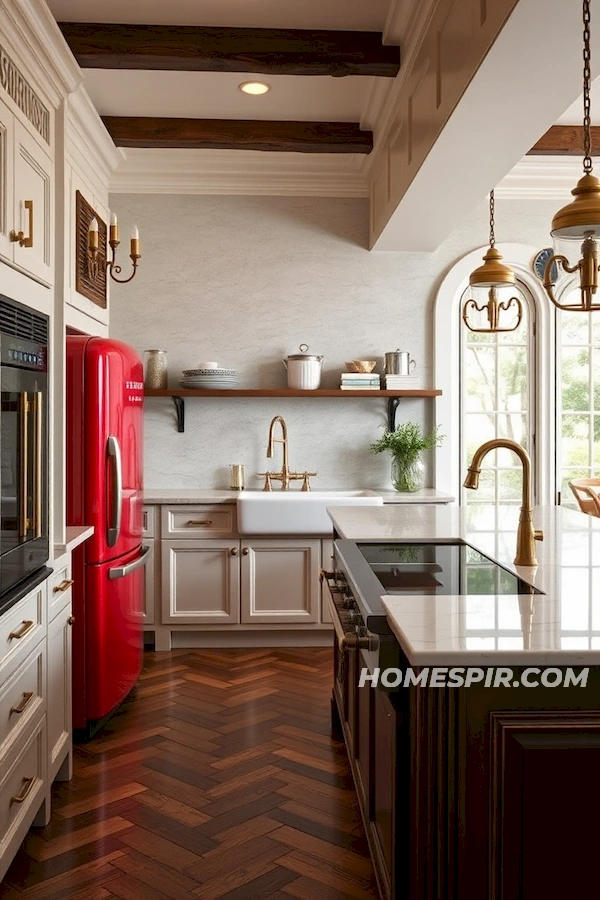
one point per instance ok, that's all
(90, 275)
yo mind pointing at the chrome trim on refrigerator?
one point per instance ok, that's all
(113, 452)
(123, 571)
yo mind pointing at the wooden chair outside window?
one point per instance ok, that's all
(586, 494)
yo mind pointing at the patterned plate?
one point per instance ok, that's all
(210, 372)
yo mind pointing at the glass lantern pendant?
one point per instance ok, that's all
(493, 284)
(576, 227)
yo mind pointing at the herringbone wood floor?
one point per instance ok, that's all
(220, 779)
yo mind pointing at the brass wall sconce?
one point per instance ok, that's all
(578, 224)
(111, 266)
(493, 284)
(19, 236)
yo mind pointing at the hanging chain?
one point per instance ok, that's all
(492, 235)
(587, 139)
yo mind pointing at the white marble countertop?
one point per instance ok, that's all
(564, 621)
(212, 495)
(74, 536)
(189, 495)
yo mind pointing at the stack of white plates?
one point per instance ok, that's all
(209, 378)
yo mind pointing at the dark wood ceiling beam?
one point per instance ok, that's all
(262, 50)
(565, 140)
(232, 134)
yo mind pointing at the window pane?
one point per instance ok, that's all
(575, 326)
(575, 378)
(480, 378)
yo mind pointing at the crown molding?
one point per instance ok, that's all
(37, 42)
(88, 138)
(541, 178)
(248, 172)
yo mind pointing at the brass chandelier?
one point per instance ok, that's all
(492, 282)
(577, 225)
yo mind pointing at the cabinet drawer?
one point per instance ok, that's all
(195, 521)
(149, 521)
(20, 630)
(22, 778)
(22, 696)
(59, 586)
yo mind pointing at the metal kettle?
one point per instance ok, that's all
(398, 362)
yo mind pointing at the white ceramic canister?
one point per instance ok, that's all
(303, 370)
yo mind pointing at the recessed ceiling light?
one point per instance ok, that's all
(254, 87)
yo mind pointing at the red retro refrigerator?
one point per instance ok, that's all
(104, 489)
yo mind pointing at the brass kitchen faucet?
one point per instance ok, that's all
(526, 534)
(285, 476)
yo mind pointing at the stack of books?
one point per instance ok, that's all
(359, 381)
(401, 382)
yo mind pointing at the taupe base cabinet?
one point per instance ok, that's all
(35, 706)
(209, 582)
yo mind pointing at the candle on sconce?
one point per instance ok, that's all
(93, 235)
(114, 228)
(135, 241)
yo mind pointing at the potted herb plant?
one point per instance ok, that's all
(406, 444)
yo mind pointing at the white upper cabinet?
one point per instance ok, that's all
(26, 200)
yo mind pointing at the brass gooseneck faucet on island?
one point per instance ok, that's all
(285, 476)
(526, 534)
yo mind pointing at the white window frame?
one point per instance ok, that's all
(447, 322)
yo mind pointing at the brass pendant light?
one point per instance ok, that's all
(493, 281)
(577, 225)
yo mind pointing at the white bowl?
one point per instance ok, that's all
(208, 365)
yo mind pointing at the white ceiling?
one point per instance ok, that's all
(574, 114)
(215, 95)
(354, 15)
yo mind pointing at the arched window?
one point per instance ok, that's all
(497, 400)
(496, 386)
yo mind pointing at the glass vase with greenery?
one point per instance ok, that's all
(406, 444)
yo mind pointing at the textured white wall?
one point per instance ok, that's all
(244, 281)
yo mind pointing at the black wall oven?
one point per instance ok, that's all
(24, 541)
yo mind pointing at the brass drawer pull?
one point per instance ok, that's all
(23, 704)
(57, 589)
(22, 630)
(234, 551)
(71, 620)
(199, 521)
(28, 784)
(246, 551)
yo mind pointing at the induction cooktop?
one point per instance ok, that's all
(429, 568)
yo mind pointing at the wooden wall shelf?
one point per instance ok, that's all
(393, 397)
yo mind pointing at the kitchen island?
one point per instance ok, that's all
(475, 792)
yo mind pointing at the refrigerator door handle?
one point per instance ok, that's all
(116, 502)
(123, 571)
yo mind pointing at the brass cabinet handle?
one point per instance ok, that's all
(23, 703)
(246, 551)
(71, 620)
(199, 522)
(24, 461)
(22, 630)
(234, 551)
(28, 784)
(59, 588)
(24, 241)
(38, 451)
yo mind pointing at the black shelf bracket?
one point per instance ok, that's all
(392, 408)
(180, 411)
